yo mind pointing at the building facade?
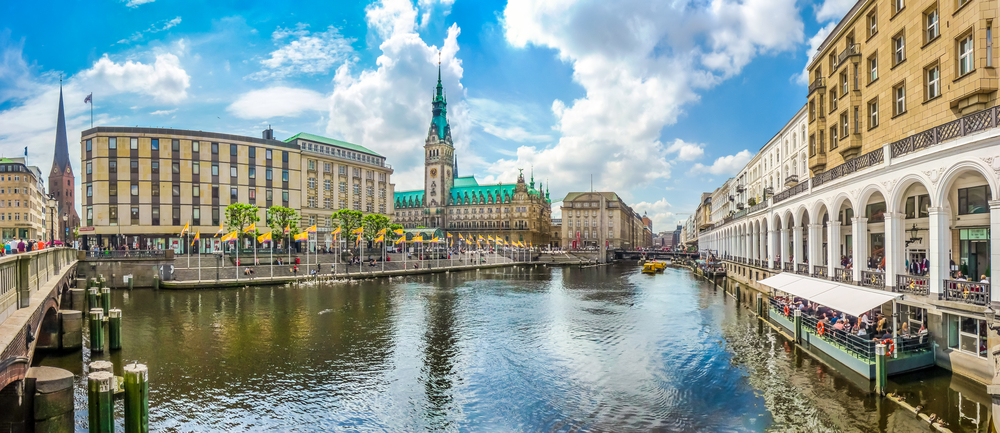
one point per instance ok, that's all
(601, 219)
(62, 180)
(510, 211)
(23, 202)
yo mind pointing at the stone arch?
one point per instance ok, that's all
(866, 194)
(800, 212)
(944, 180)
(788, 219)
(895, 200)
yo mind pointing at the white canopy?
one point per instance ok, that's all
(850, 299)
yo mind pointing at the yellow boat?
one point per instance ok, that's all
(653, 267)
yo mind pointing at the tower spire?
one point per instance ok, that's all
(61, 157)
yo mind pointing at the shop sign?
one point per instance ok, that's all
(976, 234)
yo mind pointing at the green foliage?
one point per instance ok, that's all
(278, 217)
(752, 201)
(239, 216)
(374, 222)
(347, 220)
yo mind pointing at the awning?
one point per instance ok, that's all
(850, 299)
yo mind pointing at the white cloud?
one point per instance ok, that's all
(302, 52)
(277, 102)
(165, 80)
(659, 212)
(505, 121)
(155, 28)
(163, 112)
(639, 63)
(834, 9)
(725, 165)
(136, 3)
(686, 151)
(814, 43)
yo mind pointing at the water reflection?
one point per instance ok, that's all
(516, 349)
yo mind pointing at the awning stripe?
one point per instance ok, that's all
(850, 299)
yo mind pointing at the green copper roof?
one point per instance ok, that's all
(465, 181)
(408, 196)
(330, 141)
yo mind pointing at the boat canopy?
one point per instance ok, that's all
(850, 299)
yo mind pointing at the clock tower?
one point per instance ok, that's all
(439, 157)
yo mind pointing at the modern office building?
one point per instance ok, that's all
(595, 219)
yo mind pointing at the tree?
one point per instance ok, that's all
(373, 223)
(347, 220)
(279, 217)
(239, 216)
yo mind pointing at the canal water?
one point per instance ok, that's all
(517, 349)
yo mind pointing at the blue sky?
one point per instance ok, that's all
(657, 100)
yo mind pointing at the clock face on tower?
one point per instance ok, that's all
(434, 172)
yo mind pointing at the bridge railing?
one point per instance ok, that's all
(25, 273)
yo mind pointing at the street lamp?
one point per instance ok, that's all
(913, 235)
(65, 227)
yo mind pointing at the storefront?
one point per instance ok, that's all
(974, 248)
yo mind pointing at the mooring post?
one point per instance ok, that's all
(738, 296)
(136, 398)
(92, 298)
(96, 366)
(100, 405)
(156, 282)
(880, 373)
(106, 299)
(114, 329)
(760, 306)
(798, 326)
(96, 330)
(130, 283)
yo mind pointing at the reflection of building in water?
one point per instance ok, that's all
(440, 349)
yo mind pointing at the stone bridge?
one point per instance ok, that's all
(31, 288)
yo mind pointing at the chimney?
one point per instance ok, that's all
(268, 133)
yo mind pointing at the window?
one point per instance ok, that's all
(196, 216)
(113, 214)
(967, 334)
(196, 191)
(931, 19)
(196, 167)
(898, 6)
(872, 68)
(843, 83)
(215, 169)
(312, 183)
(873, 113)
(343, 187)
(326, 184)
(233, 150)
(312, 164)
(135, 189)
(973, 200)
(113, 143)
(175, 145)
(90, 146)
(845, 130)
(899, 96)
(252, 152)
(233, 194)
(177, 215)
(933, 77)
(833, 137)
(176, 190)
(134, 143)
(175, 167)
(215, 148)
(872, 23)
(284, 175)
(215, 216)
(252, 172)
(90, 190)
(134, 166)
(232, 171)
(917, 206)
(215, 191)
(270, 195)
(267, 174)
(90, 168)
(989, 44)
(833, 100)
(154, 190)
(965, 64)
(267, 154)
(113, 166)
(326, 167)
(135, 215)
(284, 196)
(155, 213)
(284, 156)
(898, 49)
(195, 147)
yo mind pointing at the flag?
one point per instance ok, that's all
(337, 232)
(229, 237)
(398, 232)
(380, 238)
(418, 239)
(196, 237)
(89, 98)
(490, 238)
(402, 239)
(311, 229)
(481, 238)
(435, 240)
(358, 240)
(380, 232)
(266, 237)
(449, 235)
(252, 227)
(185, 229)
(288, 228)
(302, 236)
(221, 230)
(460, 237)
(358, 230)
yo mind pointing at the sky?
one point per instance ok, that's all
(657, 101)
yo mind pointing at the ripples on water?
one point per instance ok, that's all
(597, 349)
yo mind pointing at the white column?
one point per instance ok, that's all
(994, 246)
(754, 245)
(815, 246)
(937, 250)
(797, 243)
(833, 247)
(771, 243)
(784, 245)
(860, 253)
(893, 247)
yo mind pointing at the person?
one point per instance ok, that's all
(862, 332)
(839, 325)
(904, 330)
(983, 279)
(20, 246)
(295, 270)
(333, 267)
(959, 276)
(246, 271)
(881, 325)
(297, 260)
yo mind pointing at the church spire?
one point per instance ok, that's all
(439, 122)
(61, 159)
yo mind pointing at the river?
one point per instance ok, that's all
(516, 349)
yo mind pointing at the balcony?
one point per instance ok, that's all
(853, 50)
(968, 292)
(792, 180)
(739, 206)
(740, 188)
(768, 191)
(817, 84)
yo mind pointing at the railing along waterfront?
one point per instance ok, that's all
(127, 254)
(912, 284)
(791, 192)
(820, 271)
(965, 125)
(8, 286)
(864, 161)
(802, 269)
(41, 267)
(874, 280)
(788, 267)
(969, 292)
(843, 275)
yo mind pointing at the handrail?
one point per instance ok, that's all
(850, 166)
(791, 192)
(965, 125)
(874, 280)
(969, 292)
(843, 275)
(816, 84)
(127, 254)
(916, 285)
(820, 271)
